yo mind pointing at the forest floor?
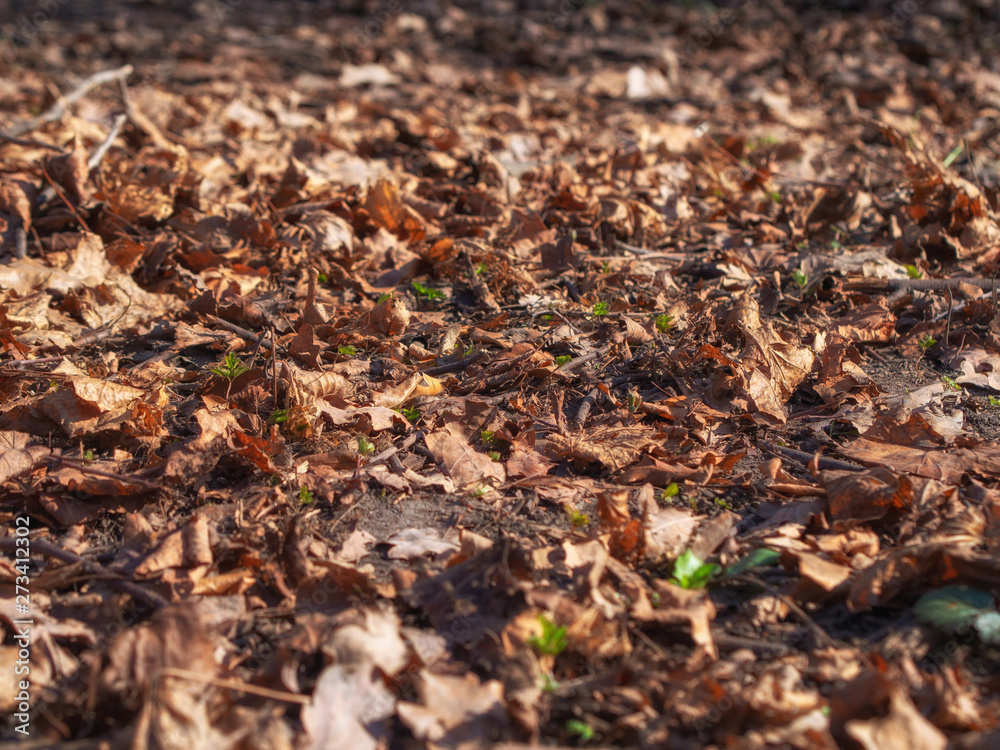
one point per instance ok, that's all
(460, 375)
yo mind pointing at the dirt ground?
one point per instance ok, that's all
(462, 375)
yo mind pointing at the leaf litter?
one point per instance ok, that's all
(611, 374)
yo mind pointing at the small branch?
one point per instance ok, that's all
(98, 155)
(584, 411)
(453, 366)
(57, 110)
(804, 458)
(131, 588)
(911, 285)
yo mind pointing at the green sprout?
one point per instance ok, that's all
(634, 401)
(581, 729)
(774, 196)
(664, 323)
(365, 446)
(382, 298)
(494, 455)
(955, 153)
(605, 267)
(926, 342)
(601, 309)
(230, 368)
(801, 279)
(563, 359)
(88, 456)
(669, 492)
(425, 291)
(481, 269)
(913, 272)
(690, 572)
(576, 518)
(549, 683)
(305, 495)
(722, 503)
(479, 492)
(347, 351)
(278, 416)
(412, 415)
(552, 641)
(950, 382)
(486, 436)
(322, 278)
(994, 401)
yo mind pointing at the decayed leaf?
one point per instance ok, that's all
(463, 463)
(454, 712)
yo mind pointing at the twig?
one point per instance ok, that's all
(247, 335)
(805, 458)
(459, 365)
(237, 685)
(57, 110)
(131, 588)
(822, 636)
(909, 285)
(109, 475)
(584, 411)
(98, 155)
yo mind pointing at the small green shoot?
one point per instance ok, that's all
(605, 267)
(690, 572)
(412, 415)
(365, 446)
(563, 359)
(759, 558)
(835, 244)
(278, 416)
(425, 291)
(950, 382)
(955, 609)
(322, 278)
(479, 492)
(913, 272)
(669, 493)
(305, 495)
(495, 455)
(481, 269)
(926, 342)
(230, 368)
(801, 279)
(549, 683)
(634, 401)
(547, 318)
(552, 641)
(347, 351)
(581, 729)
(994, 401)
(382, 298)
(275, 480)
(576, 518)
(664, 323)
(954, 154)
(601, 309)
(722, 503)
(88, 456)
(486, 437)
(774, 196)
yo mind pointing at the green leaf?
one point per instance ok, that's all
(952, 608)
(563, 359)
(347, 351)
(987, 624)
(690, 572)
(553, 639)
(601, 309)
(425, 291)
(580, 729)
(756, 559)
